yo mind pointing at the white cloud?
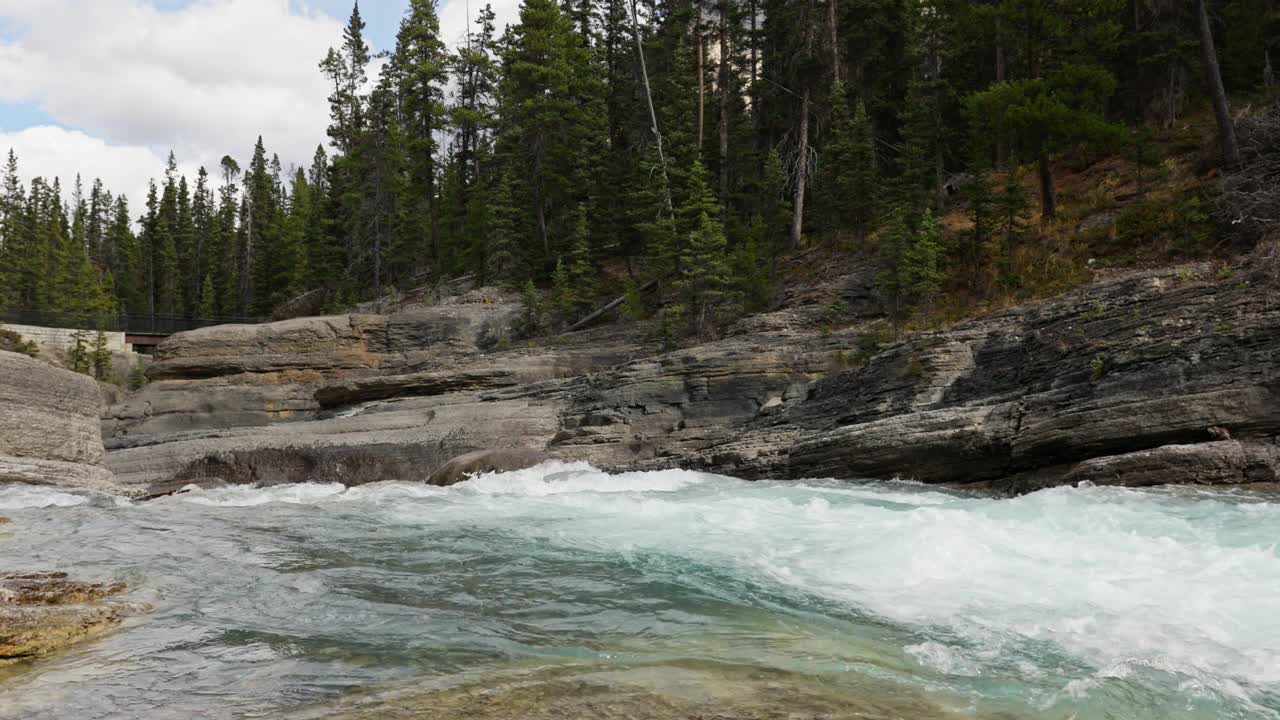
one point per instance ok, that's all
(50, 151)
(204, 80)
(454, 22)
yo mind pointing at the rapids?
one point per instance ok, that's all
(1070, 603)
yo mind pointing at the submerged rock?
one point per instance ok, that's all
(646, 692)
(43, 612)
(486, 461)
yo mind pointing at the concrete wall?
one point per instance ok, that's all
(60, 339)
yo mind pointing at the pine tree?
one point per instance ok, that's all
(912, 251)
(79, 357)
(774, 210)
(186, 278)
(555, 124)
(562, 293)
(225, 248)
(289, 261)
(347, 72)
(375, 203)
(502, 262)
(847, 185)
(102, 365)
(208, 299)
(12, 202)
(203, 228)
(582, 274)
(705, 280)
(326, 263)
(128, 261)
(419, 63)
(534, 310)
(259, 232)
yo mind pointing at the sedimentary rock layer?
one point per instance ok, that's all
(49, 426)
(1150, 377)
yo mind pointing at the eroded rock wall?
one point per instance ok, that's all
(49, 429)
(1153, 376)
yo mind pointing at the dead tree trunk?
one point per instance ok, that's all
(835, 39)
(1002, 144)
(702, 92)
(653, 114)
(802, 172)
(1048, 196)
(725, 101)
(1221, 110)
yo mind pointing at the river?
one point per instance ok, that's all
(691, 592)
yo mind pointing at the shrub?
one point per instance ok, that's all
(13, 342)
(1177, 225)
(1099, 367)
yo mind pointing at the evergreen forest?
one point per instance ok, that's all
(684, 153)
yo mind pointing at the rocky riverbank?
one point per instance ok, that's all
(1150, 377)
(41, 613)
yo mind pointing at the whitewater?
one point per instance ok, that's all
(1081, 602)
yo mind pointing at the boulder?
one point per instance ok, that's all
(486, 461)
(314, 343)
(49, 429)
(41, 613)
(349, 465)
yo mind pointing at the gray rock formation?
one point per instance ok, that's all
(485, 461)
(1135, 382)
(1150, 377)
(49, 426)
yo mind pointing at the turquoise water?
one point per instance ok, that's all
(1070, 603)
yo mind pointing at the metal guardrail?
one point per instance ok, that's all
(134, 324)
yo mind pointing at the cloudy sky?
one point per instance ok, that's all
(106, 88)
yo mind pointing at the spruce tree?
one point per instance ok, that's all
(128, 261)
(562, 292)
(326, 262)
(847, 184)
(12, 203)
(208, 300)
(259, 231)
(774, 210)
(705, 281)
(184, 241)
(912, 251)
(101, 360)
(502, 261)
(420, 63)
(225, 248)
(203, 228)
(79, 355)
(289, 261)
(554, 134)
(582, 273)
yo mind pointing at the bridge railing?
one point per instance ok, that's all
(132, 323)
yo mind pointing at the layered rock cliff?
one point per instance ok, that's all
(49, 428)
(1152, 377)
(1157, 377)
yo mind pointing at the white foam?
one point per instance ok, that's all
(249, 496)
(1106, 575)
(1112, 578)
(19, 497)
(559, 478)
